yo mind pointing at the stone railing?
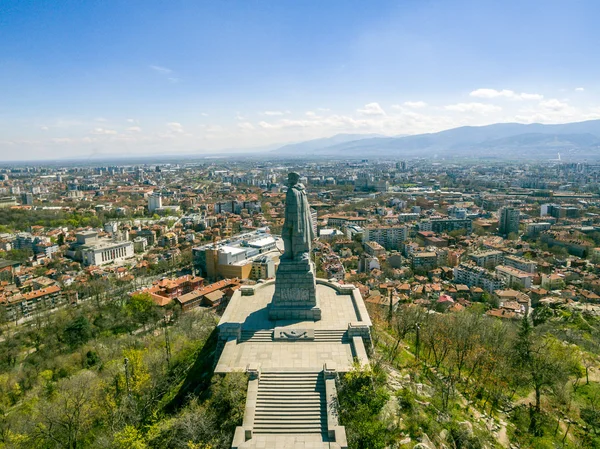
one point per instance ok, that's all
(243, 433)
(336, 433)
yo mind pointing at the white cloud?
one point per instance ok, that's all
(160, 69)
(204, 114)
(406, 121)
(130, 120)
(579, 89)
(44, 128)
(553, 104)
(246, 126)
(276, 113)
(505, 93)
(134, 129)
(61, 140)
(479, 108)
(371, 109)
(103, 131)
(553, 111)
(414, 104)
(175, 127)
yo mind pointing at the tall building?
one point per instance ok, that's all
(27, 199)
(154, 202)
(509, 221)
(390, 237)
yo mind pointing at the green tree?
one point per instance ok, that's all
(129, 438)
(77, 332)
(361, 397)
(141, 308)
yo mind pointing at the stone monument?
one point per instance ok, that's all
(295, 296)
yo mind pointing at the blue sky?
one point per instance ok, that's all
(142, 77)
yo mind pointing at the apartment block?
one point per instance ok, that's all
(513, 277)
(390, 237)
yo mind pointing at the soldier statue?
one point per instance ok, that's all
(297, 232)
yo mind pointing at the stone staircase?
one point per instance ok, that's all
(260, 336)
(331, 335)
(291, 403)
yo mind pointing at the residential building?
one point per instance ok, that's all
(25, 304)
(342, 221)
(424, 260)
(165, 290)
(390, 237)
(508, 221)
(559, 211)
(440, 225)
(474, 276)
(520, 263)
(487, 259)
(406, 217)
(513, 277)
(533, 229)
(263, 267)
(368, 263)
(575, 247)
(210, 295)
(553, 281)
(140, 244)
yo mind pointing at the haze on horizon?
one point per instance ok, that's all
(80, 79)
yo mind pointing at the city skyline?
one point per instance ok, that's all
(134, 78)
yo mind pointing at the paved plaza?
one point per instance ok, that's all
(292, 364)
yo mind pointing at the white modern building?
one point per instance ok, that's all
(154, 202)
(107, 252)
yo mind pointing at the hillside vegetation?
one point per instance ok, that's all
(116, 374)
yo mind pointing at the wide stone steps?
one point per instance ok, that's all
(331, 335)
(321, 335)
(290, 403)
(257, 336)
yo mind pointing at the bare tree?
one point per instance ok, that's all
(66, 421)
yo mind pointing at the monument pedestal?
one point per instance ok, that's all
(295, 296)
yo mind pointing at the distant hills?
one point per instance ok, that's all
(315, 145)
(501, 140)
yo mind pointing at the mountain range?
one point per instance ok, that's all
(501, 140)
